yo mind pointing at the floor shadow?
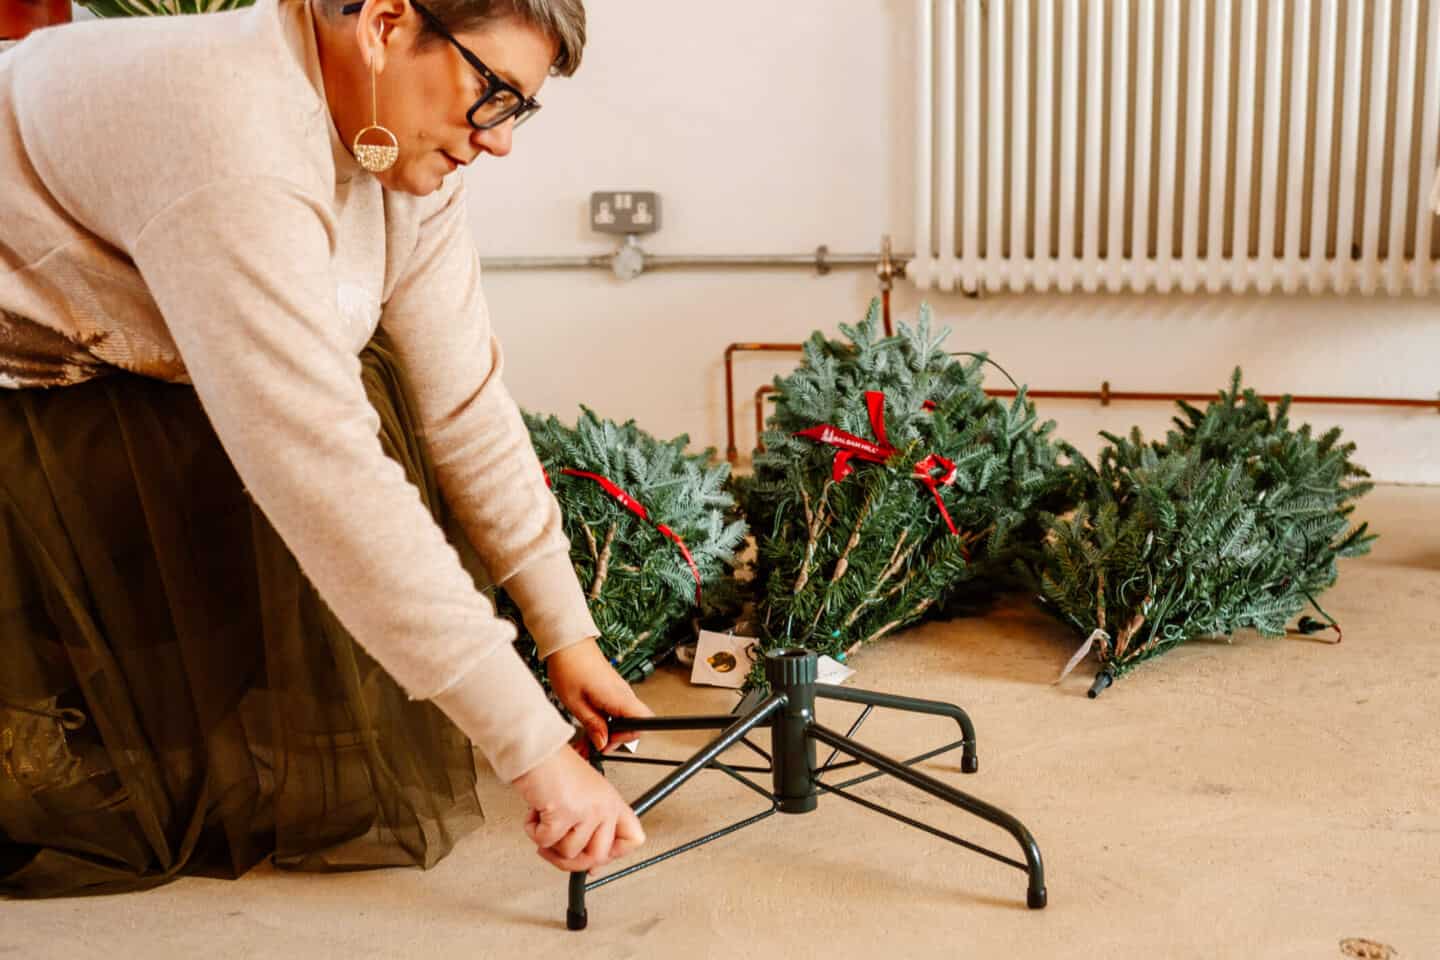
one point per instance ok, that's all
(942, 891)
(553, 920)
(1419, 558)
(1015, 640)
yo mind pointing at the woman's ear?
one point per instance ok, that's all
(376, 30)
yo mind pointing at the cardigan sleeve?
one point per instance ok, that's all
(241, 271)
(484, 461)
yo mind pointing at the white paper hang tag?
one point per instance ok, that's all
(1080, 654)
(833, 671)
(722, 659)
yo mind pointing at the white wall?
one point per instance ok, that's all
(774, 127)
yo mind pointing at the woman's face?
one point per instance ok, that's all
(423, 96)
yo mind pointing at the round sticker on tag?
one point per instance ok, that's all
(722, 661)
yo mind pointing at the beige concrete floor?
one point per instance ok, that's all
(1267, 798)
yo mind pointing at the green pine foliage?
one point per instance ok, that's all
(841, 564)
(641, 590)
(1235, 521)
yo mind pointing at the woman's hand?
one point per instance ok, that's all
(577, 820)
(591, 690)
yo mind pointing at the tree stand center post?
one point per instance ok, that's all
(796, 780)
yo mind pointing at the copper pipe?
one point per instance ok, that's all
(731, 452)
(760, 414)
(1105, 395)
(887, 270)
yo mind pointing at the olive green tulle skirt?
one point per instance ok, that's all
(175, 698)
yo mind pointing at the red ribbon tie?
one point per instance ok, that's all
(925, 473)
(848, 447)
(635, 507)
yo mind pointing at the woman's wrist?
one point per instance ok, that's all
(574, 646)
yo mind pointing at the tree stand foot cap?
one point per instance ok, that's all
(969, 763)
(1036, 899)
(576, 920)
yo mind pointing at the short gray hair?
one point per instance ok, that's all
(561, 21)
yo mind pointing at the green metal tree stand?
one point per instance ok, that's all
(789, 711)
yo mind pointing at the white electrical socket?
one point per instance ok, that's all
(625, 211)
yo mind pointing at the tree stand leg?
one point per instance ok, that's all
(577, 917)
(796, 779)
(969, 761)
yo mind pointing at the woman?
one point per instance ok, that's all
(184, 207)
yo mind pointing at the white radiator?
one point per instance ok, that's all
(1176, 145)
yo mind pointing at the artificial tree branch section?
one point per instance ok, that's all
(602, 564)
(1234, 521)
(889, 482)
(670, 533)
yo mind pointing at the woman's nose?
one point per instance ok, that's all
(496, 140)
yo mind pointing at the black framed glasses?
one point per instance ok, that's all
(499, 101)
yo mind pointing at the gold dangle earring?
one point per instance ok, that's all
(377, 158)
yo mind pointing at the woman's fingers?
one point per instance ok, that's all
(604, 842)
(616, 739)
(628, 833)
(624, 703)
(550, 857)
(532, 825)
(582, 864)
(576, 818)
(549, 828)
(601, 843)
(576, 839)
